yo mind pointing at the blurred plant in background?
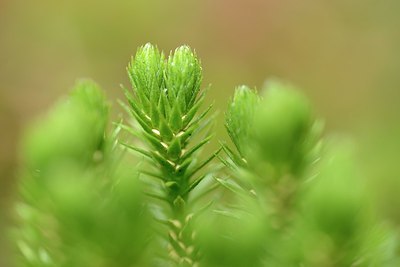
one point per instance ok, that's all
(284, 196)
(298, 200)
(81, 204)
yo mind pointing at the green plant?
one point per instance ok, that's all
(284, 196)
(165, 103)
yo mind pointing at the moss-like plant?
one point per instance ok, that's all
(284, 197)
(165, 102)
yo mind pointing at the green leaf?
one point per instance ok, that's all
(155, 115)
(175, 150)
(200, 117)
(165, 131)
(139, 150)
(164, 163)
(156, 143)
(194, 184)
(204, 163)
(175, 120)
(234, 187)
(190, 152)
(155, 175)
(181, 169)
(235, 158)
(193, 110)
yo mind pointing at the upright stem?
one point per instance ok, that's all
(165, 103)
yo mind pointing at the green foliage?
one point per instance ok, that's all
(166, 109)
(336, 216)
(282, 127)
(307, 197)
(286, 197)
(277, 128)
(79, 206)
(240, 116)
(73, 130)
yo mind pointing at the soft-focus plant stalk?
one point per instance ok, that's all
(80, 204)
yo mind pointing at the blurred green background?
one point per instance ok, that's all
(343, 54)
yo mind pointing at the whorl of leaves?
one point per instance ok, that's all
(165, 100)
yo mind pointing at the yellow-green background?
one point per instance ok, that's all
(343, 54)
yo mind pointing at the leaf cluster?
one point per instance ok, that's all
(283, 197)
